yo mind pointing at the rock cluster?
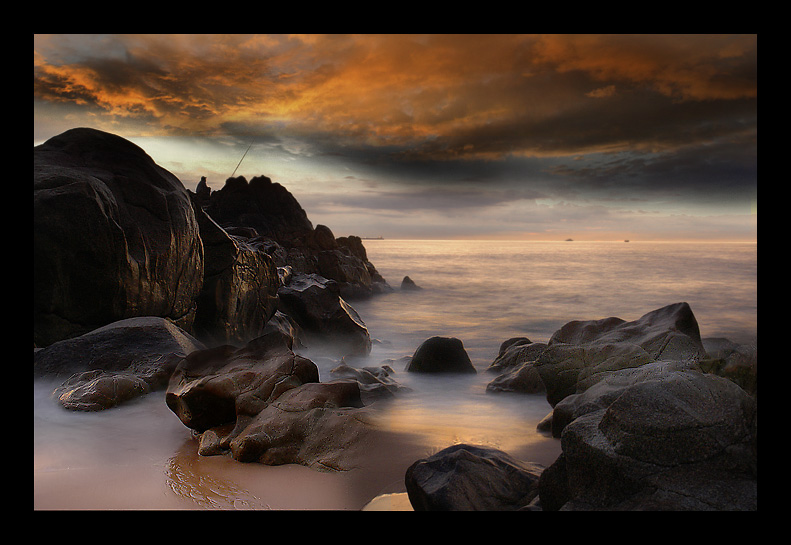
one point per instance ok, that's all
(133, 272)
(645, 420)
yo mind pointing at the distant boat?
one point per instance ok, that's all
(569, 240)
(627, 240)
(372, 238)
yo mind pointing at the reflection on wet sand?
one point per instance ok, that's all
(188, 479)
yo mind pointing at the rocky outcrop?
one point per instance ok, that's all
(472, 478)
(114, 237)
(114, 363)
(275, 220)
(441, 355)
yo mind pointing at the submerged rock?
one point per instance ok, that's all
(441, 355)
(472, 478)
(409, 284)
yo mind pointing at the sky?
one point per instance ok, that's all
(535, 137)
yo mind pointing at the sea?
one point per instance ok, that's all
(139, 456)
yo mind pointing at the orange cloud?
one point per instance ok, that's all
(402, 90)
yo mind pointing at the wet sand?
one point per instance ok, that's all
(141, 458)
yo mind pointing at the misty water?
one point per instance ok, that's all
(139, 456)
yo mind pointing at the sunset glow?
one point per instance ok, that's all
(597, 137)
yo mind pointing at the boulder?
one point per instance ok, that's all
(441, 355)
(114, 237)
(323, 315)
(658, 438)
(472, 478)
(582, 353)
(239, 294)
(140, 345)
(114, 363)
(98, 390)
(514, 353)
(216, 386)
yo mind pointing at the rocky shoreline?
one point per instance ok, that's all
(142, 285)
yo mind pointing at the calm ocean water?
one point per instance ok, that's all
(140, 456)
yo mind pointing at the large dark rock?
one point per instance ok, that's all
(656, 438)
(582, 353)
(472, 478)
(114, 363)
(239, 294)
(267, 207)
(114, 237)
(441, 355)
(323, 315)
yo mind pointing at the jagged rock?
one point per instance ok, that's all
(323, 315)
(374, 382)
(239, 294)
(114, 237)
(472, 478)
(287, 234)
(441, 355)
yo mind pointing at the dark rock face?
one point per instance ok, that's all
(239, 294)
(472, 478)
(441, 355)
(273, 217)
(267, 207)
(115, 236)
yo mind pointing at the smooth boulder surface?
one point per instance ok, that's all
(114, 363)
(657, 439)
(472, 478)
(441, 355)
(114, 237)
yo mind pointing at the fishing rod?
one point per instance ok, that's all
(243, 156)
